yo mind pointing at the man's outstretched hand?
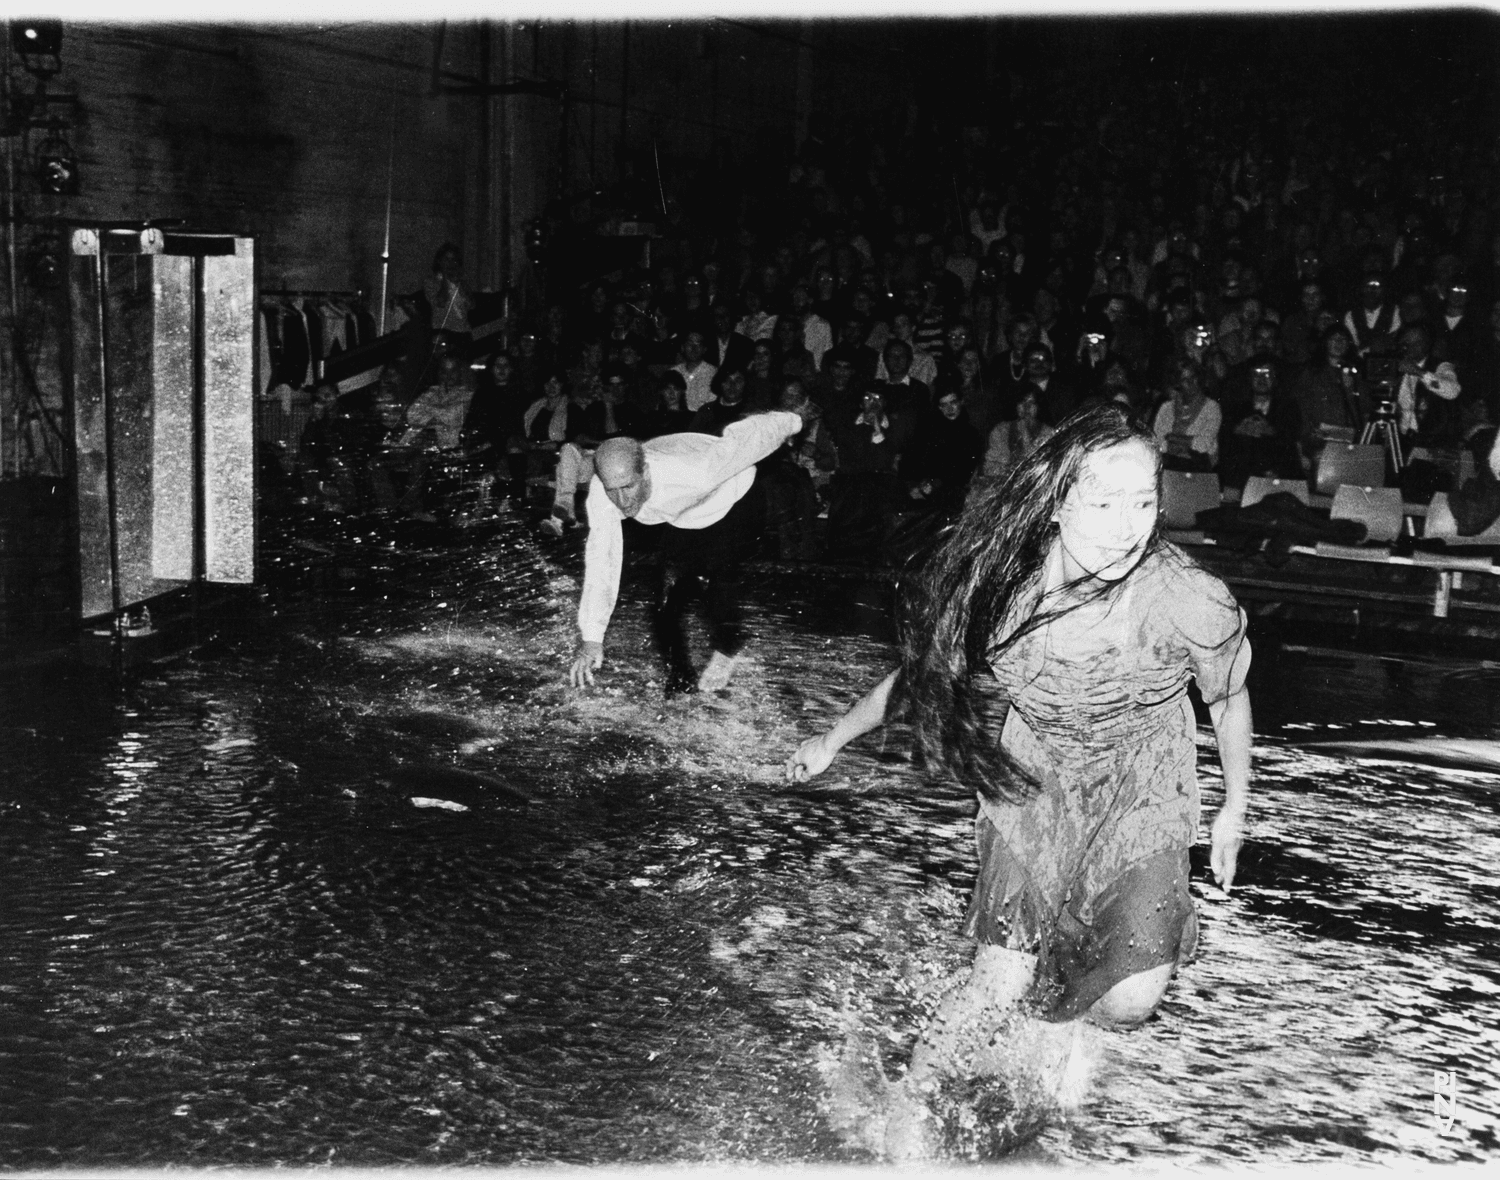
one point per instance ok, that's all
(590, 659)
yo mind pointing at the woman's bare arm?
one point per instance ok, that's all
(814, 755)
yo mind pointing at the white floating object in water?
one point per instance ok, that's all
(442, 804)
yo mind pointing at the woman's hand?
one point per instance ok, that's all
(812, 757)
(1226, 836)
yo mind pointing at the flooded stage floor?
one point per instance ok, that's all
(228, 934)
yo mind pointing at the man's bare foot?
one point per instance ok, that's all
(716, 676)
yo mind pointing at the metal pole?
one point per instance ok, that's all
(507, 55)
(10, 245)
(385, 249)
(117, 628)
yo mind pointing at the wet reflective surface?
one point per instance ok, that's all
(371, 886)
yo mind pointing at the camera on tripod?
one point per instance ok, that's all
(1383, 374)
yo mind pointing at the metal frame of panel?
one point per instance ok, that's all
(161, 369)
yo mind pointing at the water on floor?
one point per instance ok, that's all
(372, 886)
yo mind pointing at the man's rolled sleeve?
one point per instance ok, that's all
(603, 556)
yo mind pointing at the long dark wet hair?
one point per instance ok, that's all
(960, 617)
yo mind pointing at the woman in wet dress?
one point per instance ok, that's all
(1055, 614)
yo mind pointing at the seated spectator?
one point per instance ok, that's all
(1332, 397)
(331, 452)
(788, 475)
(670, 415)
(398, 463)
(900, 392)
(1262, 432)
(545, 426)
(922, 367)
(757, 323)
(727, 348)
(592, 417)
(863, 494)
(640, 382)
(528, 368)
(814, 451)
(762, 390)
(436, 418)
(1056, 398)
(957, 336)
(691, 313)
(790, 360)
(853, 331)
(1234, 330)
(696, 372)
(981, 401)
(1118, 386)
(817, 336)
(728, 405)
(1265, 340)
(1188, 421)
(1011, 360)
(837, 387)
(1012, 439)
(944, 451)
(1427, 392)
(1300, 335)
(662, 346)
(619, 332)
(1374, 324)
(1092, 352)
(1457, 336)
(495, 411)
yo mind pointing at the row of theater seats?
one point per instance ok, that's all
(1348, 482)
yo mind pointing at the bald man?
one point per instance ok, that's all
(696, 485)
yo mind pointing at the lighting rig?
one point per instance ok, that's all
(37, 44)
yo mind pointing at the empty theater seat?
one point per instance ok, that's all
(1351, 463)
(1184, 494)
(1258, 487)
(1379, 509)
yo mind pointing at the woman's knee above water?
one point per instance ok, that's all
(1132, 1001)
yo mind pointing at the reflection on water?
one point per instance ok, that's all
(228, 936)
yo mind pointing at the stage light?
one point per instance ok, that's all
(38, 43)
(56, 165)
(536, 240)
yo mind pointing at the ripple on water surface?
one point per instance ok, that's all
(229, 936)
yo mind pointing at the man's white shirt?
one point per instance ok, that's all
(695, 480)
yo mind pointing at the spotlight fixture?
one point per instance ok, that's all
(536, 240)
(44, 265)
(38, 43)
(56, 164)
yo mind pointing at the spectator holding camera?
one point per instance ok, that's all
(864, 490)
(1187, 423)
(1426, 394)
(1261, 430)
